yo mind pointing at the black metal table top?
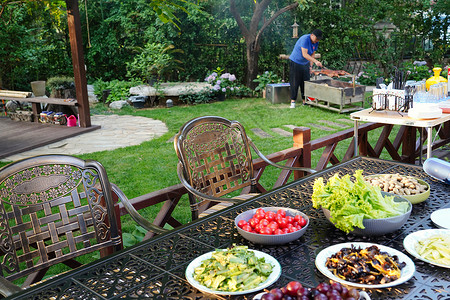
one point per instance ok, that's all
(155, 268)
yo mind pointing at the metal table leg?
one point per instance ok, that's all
(429, 141)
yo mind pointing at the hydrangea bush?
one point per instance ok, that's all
(222, 83)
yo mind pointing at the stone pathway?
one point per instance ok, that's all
(261, 133)
(331, 123)
(115, 132)
(282, 132)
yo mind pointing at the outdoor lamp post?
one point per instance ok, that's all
(295, 30)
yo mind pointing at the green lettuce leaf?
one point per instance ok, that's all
(350, 202)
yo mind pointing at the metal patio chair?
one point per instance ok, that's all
(214, 161)
(55, 208)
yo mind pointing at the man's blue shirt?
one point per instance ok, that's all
(303, 42)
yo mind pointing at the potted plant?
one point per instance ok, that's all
(264, 79)
(222, 84)
(61, 87)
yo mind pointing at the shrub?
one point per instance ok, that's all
(60, 83)
(154, 60)
(369, 75)
(418, 72)
(264, 79)
(120, 90)
(222, 83)
(205, 96)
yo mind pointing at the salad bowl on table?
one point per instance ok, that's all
(380, 226)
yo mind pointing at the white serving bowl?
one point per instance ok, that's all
(380, 226)
(266, 239)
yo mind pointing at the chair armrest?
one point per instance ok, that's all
(201, 195)
(263, 157)
(138, 218)
(8, 288)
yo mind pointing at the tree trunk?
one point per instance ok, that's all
(252, 64)
(252, 34)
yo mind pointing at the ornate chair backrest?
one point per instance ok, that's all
(54, 208)
(215, 155)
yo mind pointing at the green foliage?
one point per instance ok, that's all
(264, 79)
(417, 72)
(205, 96)
(60, 82)
(244, 92)
(369, 75)
(120, 90)
(154, 60)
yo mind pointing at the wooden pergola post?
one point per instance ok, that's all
(79, 72)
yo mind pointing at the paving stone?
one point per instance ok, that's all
(282, 132)
(331, 123)
(291, 126)
(261, 133)
(321, 127)
(346, 121)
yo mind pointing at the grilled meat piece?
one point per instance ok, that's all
(330, 73)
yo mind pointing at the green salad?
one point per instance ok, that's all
(232, 270)
(349, 202)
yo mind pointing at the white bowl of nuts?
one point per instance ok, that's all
(414, 189)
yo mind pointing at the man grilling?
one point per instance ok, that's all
(301, 61)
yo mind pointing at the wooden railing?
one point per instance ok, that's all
(300, 155)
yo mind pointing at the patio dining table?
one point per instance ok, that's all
(155, 268)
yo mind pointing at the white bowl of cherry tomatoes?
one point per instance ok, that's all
(272, 225)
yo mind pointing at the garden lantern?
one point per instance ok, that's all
(295, 30)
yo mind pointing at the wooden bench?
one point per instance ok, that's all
(36, 102)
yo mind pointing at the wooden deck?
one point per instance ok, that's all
(17, 137)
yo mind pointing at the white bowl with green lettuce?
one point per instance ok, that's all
(358, 207)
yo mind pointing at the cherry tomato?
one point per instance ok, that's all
(260, 215)
(270, 216)
(285, 230)
(253, 222)
(295, 223)
(302, 222)
(266, 230)
(247, 228)
(242, 223)
(278, 231)
(281, 212)
(293, 229)
(258, 227)
(273, 226)
(299, 227)
(264, 222)
(282, 223)
(260, 210)
(289, 219)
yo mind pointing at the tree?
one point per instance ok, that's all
(252, 32)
